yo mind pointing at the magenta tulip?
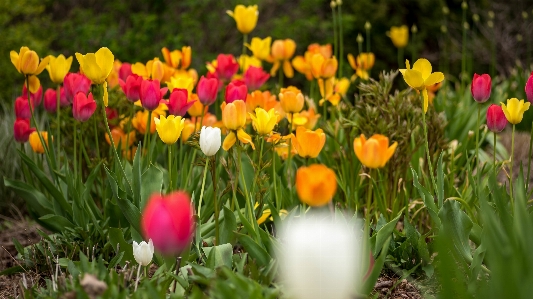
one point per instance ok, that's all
(207, 90)
(227, 66)
(496, 120)
(132, 87)
(255, 77)
(529, 88)
(236, 90)
(480, 88)
(22, 130)
(168, 221)
(75, 83)
(35, 97)
(83, 106)
(50, 100)
(125, 71)
(177, 104)
(151, 93)
(22, 108)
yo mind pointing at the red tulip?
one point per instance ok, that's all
(151, 93)
(529, 88)
(496, 120)
(255, 77)
(207, 90)
(83, 106)
(227, 66)
(35, 97)
(178, 103)
(125, 71)
(22, 108)
(111, 113)
(22, 130)
(480, 87)
(132, 87)
(168, 221)
(236, 90)
(75, 83)
(50, 100)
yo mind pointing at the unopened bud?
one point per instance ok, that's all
(359, 38)
(491, 14)
(368, 26)
(445, 10)
(490, 24)
(443, 29)
(470, 134)
(524, 15)
(475, 17)
(464, 5)
(333, 4)
(414, 29)
(519, 37)
(466, 25)
(339, 2)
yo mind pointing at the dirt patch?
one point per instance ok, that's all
(394, 288)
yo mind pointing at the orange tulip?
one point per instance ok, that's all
(292, 99)
(309, 143)
(120, 137)
(35, 141)
(282, 52)
(234, 119)
(374, 152)
(316, 185)
(322, 67)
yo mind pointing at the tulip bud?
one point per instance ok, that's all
(131, 87)
(464, 5)
(75, 83)
(22, 130)
(151, 93)
(490, 24)
(210, 140)
(514, 110)
(445, 10)
(524, 15)
(368, 26)
(236, 90)
(143, 252)
(529, 88)
(207, 90)
(496, 120)
(255, 77)
(359, 38)
(168, 221)
(50, 99)
(475, 17)
(22, 108)
(481, 87)
(333, 4)
(491, 14)
(83, 106)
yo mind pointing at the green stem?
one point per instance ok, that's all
(75, 147)
(147, 133)
(244, 41)
(235, 182)
(368, 49)
(529, 159)
(203, 185)
(278, 203)
(335, 38)
(463, 54)
(96, 138)
(430, 164)
(127, 147)
(246, 195)
(368, 199)
(494, 156)
(169, 146)
(58, 112)
(512, 162)
(341, 41)
(44, 144)
(477, 141)
(289, 157)
(258, 172)
(215, 199)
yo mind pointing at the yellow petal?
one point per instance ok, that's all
(15, 59)
(426, 100)
(414, 79)
(91, 69)
(229, 141)
(105, 60)
(423, 66)
(434, 78)
(106, 94)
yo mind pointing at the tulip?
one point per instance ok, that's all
(27, 61)
(227, 66)
(96, 66)
(168, 221)
(311, 118)
(22, 130)
(255, 77)
(178, 103)
(292, 99)
(188, 129)
(197, 107)
(111, 113)
(325, 50)
(246, 62)
(322, 67)
(131, 87)
(514, 110)
(186, 53)
(496, 120)
(83, 106)
(35, 86)
(362, 64)
(342, 85)
(264, 122)
(35, 141)
(316, 184)
(320, 244)
(309, 143)
(75, 83)
(260, 99)
(119, 137)
(529, 88)
(207, 90)
(50, 99)
(183, 82)
(140, 120)
(58, 68)
(22, 108)
(172, 58)
(36, 96)
(260, 47)
(236, 90)
(124, 71)
(143, 252)
(151, 94)
(374, 152)
(420, 77)
(234, 119)
(327, 91)
(480, 88)
(169, 129)
(399, 36)
(245, 17)
(282, 52)
(210, 140)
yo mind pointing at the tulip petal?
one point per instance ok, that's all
(287, 69)
(245, 138)
(105, 60)
(274, 69)
(423, 66)
(414, 79)
(434, 78)
(229, 141)
(91, 68)
(15, 59)
(389, 153)
(426, 100)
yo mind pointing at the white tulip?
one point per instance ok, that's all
(319, 258)
(143, 252)
(210, 140)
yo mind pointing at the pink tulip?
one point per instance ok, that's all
(227, 66)
(151, 93)
(22, 130)
(529, 88)
(22, 108)
(207, 90)
(83, 106)
(255, 77)
(50, 100)
(132, 87)
(481, 86)
(236, 90)
(35, 97)
(177, 104)
(125, 71)
(168, 221)
(75, 83)
(496, 120)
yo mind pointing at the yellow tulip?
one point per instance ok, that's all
(173, 58)
(35, 83)
(292, 99)
(514, 110)
(186, 53)
(27, 62)
(182, 81)
(309, 143)
(234, 119)
(35, 141)
(399, 36)
(322, 67)
(316, 184)
(169, 128)
(246, 61)
(327, 91)
(374, 152)
(245, 17)
(263, 121)
(96, 66)
(260, 47)
(342, 85)
(421, 78)
(58, 68)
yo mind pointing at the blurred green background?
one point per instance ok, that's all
(137, 30)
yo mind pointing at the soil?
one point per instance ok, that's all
(392, 287)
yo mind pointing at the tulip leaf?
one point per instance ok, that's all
(384, 233)
(130, 211)
(254, 250)
(12, 270)
(220, 255)
(152, 182)
(116, 237)
(58, 223)
(428, 199)
(440, 181)
(37, 202)
(136, 182)
(375, 271)
(227, 227)
(457, 225)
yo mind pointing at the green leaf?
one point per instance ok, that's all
(33, 197)
(255, 250)
(220, 255)
(384, 233)
(429, 201)
(440, 181)
(152, 182)
(457, 225)
(58, 223)
(370, 281)
(130, 211)
(12, 270)
(136, 182)
(114, 261)
(116, 236)
(227, 227)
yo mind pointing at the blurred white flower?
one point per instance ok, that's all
(143, 252)
(210, 140)
(319, 258)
